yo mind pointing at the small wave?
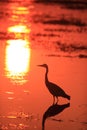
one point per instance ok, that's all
(79, 6)
(71, 47)
(84, 123)
(82, 56)
(59, 120)
(68, 56)
(69, 4)
(6, 35)
(63, 21)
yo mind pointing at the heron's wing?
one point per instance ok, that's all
(55, 89)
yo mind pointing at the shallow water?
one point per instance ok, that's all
(31, 34)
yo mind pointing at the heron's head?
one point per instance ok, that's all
(43, 65)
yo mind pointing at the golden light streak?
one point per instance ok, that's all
(8, 92)
(12, 117)
(22, 10)
(19, 29)
(17, 60)
(10, 98)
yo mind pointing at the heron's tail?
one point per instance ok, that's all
(67, 96)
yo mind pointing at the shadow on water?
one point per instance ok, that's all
(52, 111)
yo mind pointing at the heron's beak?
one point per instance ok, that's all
(40, 65)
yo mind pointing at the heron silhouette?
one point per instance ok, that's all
(53, 110)
(54, 89)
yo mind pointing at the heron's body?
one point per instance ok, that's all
(54, 89)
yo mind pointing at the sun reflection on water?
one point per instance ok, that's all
(17, 60)
(19, 29)
(18, 52)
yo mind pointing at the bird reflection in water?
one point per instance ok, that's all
(54, 89)
(52, 111)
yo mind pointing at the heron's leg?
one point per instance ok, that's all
(53, 99)
(57, 100)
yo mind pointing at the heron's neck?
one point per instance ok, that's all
(46, 76)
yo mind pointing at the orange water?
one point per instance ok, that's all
(24, 43)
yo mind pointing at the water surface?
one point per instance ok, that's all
(32, 33)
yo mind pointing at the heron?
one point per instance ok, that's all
(54, 89)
